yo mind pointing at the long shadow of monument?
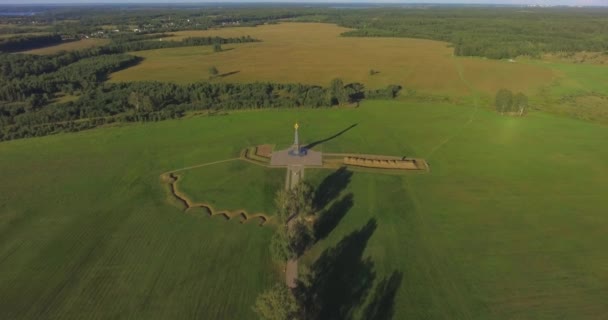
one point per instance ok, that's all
(318, 142)
(338, 282)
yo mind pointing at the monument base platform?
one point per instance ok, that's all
(293, 157)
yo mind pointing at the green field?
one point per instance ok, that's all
(510, 223)
(234, 186)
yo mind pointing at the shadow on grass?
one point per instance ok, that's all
(382, 304)
(227, 74)
(338, 282)
(318, 142)
(330, 187)
(329, 219)
(133, 63)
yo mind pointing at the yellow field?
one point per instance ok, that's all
(314, 53)
(70, 46)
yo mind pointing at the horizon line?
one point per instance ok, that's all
(287, 2)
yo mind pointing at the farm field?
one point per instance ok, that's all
(509, 223)
(314, 53)
(69, 46)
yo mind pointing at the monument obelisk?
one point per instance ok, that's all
(296, 139)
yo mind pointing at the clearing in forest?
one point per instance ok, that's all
(315, 53)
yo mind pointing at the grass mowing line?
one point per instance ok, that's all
(199, 165)
(471, 117)
(172, 178)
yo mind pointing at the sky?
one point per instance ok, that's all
(540, 2)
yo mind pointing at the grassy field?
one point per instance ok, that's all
(233, 186)
(509, 224)
(315, 54)
(69, 46)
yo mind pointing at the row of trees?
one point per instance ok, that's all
(82, 75)
(507, 102)
(294, 206)
(15, 66)
(295, 234)
(337, 285)
(144, 101)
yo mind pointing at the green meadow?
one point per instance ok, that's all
(509, 223)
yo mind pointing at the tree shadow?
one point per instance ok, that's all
(382, 304)
(331, 187)
(227, 74)
(318, 142)
(102, 77)
(329, 219)
(339, 280)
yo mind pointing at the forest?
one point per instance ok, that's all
(496, 33)
(30, 85)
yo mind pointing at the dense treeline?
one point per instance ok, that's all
(20, 65)
(490, 32)
(154, 101)
(119, 47)
(473, 31)
(81, 75)
(22, 43)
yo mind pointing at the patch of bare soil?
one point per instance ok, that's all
(264, 150)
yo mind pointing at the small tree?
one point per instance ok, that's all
(300, 236)
(217, 47)
(504, 100)
(213, 72)
(520, 103)
(338, 94)
(279, 245)
(278, 303)
(303, 196)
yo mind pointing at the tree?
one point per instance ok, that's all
(520, 103)
(504, 100)
(300, 236)
(278, 303)
(217, 47)
(303, 195)
(279, 245)
(295, 201)
(213, 71)
(338, 94)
